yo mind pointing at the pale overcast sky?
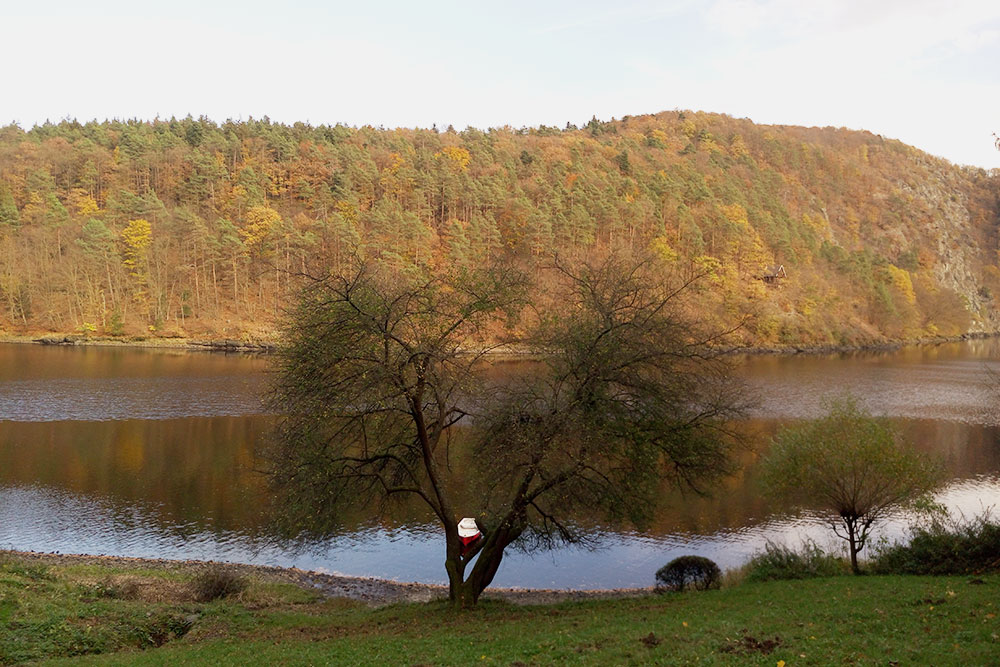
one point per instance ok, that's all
(927, 73)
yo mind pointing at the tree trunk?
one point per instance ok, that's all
(464, 591)
(459, 591)
(852, 540)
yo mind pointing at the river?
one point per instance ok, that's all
(149, 453)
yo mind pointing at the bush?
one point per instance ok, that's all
(780, 562)
(216, 583)
(959, 547)
(680, 573)
(116, 588)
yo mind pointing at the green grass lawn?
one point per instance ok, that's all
(105, 615)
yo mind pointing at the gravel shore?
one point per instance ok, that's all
(370, 590)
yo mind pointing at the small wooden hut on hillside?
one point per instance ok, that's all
(773, 274)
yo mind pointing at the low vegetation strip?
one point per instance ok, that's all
(369, 590)
(115, 612)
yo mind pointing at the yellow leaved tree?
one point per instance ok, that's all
(745, 249)
(457, 156)
(260, 222)
(136, 238)
(135, 241)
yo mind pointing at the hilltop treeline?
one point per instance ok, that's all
(188, 227)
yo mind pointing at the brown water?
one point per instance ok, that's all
(150, 453)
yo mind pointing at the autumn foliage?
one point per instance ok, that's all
(190, 227)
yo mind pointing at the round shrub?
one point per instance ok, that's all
(216, 583)
(688, 571)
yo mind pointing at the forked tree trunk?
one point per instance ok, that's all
(464, 591)
(852, 541)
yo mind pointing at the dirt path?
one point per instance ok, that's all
(370, 590)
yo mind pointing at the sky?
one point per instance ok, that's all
(926, 73)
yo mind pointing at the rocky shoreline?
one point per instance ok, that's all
(230, 346)
(370, 590)
(875, 346)
(222, 345)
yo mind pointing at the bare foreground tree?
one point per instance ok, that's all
(383, 369)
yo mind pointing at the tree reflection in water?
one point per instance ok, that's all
(185, 487)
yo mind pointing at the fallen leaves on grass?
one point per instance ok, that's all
(930, 601)
(748, 644)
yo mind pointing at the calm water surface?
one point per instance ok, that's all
(150, 453)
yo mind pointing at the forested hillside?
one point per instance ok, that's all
(190, 228)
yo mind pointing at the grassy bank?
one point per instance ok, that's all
(95, 614)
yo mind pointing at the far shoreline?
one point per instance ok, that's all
(264, 346)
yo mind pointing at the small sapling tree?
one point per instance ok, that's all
(851, 467)
(381, 367)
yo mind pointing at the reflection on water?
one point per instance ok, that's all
(951, 381)
(50, 518)
(98, 383)
(150, 454)
(180, 471)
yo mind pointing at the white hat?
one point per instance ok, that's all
(467, 527)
